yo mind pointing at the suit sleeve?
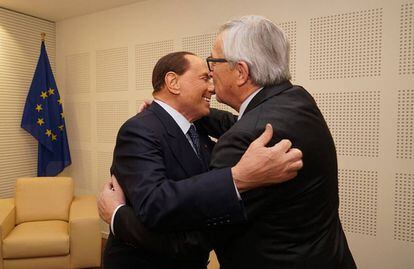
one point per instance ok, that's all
(131, 231)
(203, 200)
(230, 150)
(216, 123)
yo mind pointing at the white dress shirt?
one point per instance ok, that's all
(246, 102)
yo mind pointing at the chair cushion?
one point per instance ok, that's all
(43, 198)
(37, 239)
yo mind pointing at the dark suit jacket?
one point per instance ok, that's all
(294, 224)
(290, 225)
(162, 177)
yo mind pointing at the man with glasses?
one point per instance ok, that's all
(161, 161)
(291, 225)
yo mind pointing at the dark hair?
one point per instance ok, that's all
(172, 62)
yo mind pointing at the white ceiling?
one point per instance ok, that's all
(57, 10)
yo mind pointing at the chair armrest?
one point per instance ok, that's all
(84, 232)
(7, 222)
(7, 216)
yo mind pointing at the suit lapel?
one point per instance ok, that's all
(266, 93)
(178, 143)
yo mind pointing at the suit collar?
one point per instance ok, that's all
(166, 119)
(247, 102)
(266, 93)
(181, 121)
(178, 143)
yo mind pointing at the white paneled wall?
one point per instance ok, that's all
(112, 70)
(146, 55)
(19, 51)
(353, 118)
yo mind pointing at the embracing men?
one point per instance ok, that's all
(179, 207)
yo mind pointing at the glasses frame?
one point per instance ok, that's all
(214, 60)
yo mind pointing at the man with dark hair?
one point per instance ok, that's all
(161, 162)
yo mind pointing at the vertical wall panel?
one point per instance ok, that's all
(406, 66)
(78, 121)
(353, 118)
(290, 30)
(110, 116)
(404, 207)
(104, 161)
(146, 55)
(77, 73)
(19, 52)
(405, 124)
(359, 199)
(346, 45)
(201, 45)
(112, 70)
(80, 169)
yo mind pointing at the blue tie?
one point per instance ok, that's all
(192, 132)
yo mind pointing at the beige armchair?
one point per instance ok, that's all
(44, 226)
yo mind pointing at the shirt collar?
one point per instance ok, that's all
(246, 103)
(181, 121)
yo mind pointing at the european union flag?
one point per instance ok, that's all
(43, 118)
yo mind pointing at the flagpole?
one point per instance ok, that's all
(43, 36)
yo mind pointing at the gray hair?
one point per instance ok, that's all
(261, 44)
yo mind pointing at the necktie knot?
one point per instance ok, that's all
(192, 133)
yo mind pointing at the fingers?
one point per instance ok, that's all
(283, 146)
(144, 105)
(141, 108)
(107, 186)
(148, 102)
(265, 137)
(295, 157)
(295, 166)
(294, 154)
(291, 175)
(115, 183)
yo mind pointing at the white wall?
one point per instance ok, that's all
(355, 57)
(19, 51)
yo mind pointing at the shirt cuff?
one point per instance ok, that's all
(113, 217)
(237, 191)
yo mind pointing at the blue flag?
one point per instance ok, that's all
(43, 118)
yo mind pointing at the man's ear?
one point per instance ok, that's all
(172, 83)
(243, 72)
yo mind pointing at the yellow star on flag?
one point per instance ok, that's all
(54, 137)
(60, 101)
(38, 107)
(61, 114)
(51, 91)
(43, 95)
(40, 121)
(60, 127)
(48, 132)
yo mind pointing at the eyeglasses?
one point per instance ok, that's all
(210, 60)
